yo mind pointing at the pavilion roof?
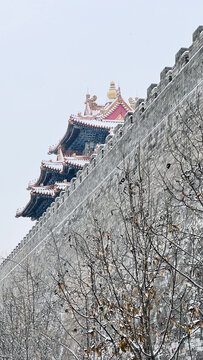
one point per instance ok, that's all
(99, 117)
(40, 192)
(57, 166)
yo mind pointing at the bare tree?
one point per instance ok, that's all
(134, 291)
(130, 286)
(24, 312)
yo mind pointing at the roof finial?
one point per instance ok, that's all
(87, 107)
(112, 91)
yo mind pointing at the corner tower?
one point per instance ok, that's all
(84, 132)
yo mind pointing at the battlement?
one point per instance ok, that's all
(176, 84)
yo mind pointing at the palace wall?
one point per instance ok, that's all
(147, 126)
(91, 193)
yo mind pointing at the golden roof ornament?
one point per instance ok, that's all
(111, 94)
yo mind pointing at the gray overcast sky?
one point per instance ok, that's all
(52, 51)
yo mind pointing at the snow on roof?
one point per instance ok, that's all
(113, 106)
(102, 124)
(43, 190)
(78, 161)
(97, 119)
(62, 185)
(50, 190)
(107, 105)
(19, 211)
(53, 165)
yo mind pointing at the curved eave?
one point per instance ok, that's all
(69, 135)
(45, 171)
(92, 126)
(29, 208)
(40, 179)
(72, 132)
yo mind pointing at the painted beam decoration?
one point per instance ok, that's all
(83, 134)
